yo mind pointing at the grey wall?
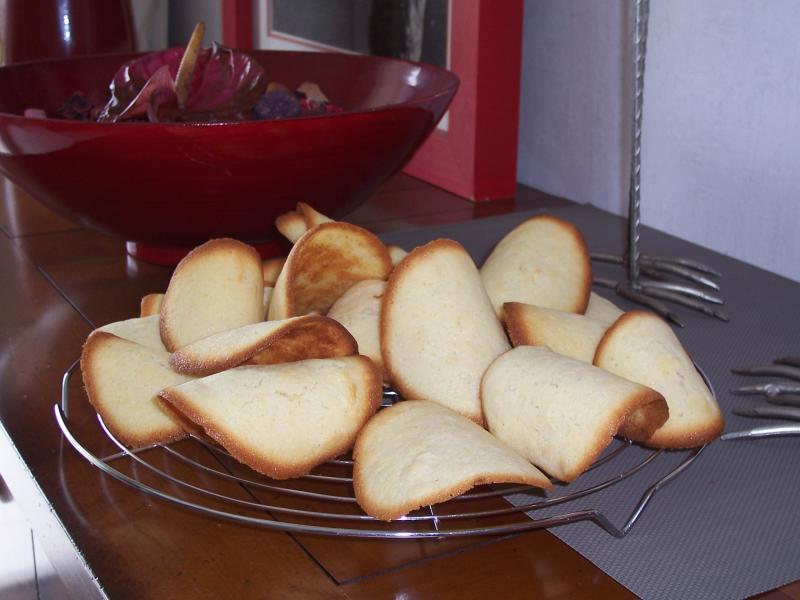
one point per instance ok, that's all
(150, 20)
(163, 23)
(721, 159)
(184, 14)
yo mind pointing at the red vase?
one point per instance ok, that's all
(37, 29)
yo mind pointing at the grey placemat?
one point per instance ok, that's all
(729, 526)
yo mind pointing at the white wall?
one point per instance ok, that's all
(150, 21)
(721, 137)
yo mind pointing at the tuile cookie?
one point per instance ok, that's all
(142, 330)
(122, 380)
(642, 347)
(216, 287)
(561, 413)
(267, 297)
(543, 261)
(418, 453)
(269, 342)
(292, 225)
(150, 305)
(576, 336)
(271, 268)
(601, 309)
(292, 228)
(283, 420)
(439, 332)
(396, 253)
(325, 263)
(187, 425)
(312, 217)
(359, 311)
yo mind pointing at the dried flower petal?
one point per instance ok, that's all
(225, 86)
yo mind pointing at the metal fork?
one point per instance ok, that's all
(783, 399)
(656, 287)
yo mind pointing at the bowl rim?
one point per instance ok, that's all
(452, 87)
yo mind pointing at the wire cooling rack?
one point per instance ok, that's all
(287, 508)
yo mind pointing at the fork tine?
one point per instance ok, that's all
(682, 271)
(789, 372)
(793, 361)
(659, 307)
(605, 282)
(770, 389)
(682, 289)
(686, 262)
(770, 411)
(688, 302)
(751, 390)
(689, 263)
(653, 273)
(785, 399)
(605, 257)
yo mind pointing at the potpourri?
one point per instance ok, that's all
(220, 85)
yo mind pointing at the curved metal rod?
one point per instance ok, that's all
(337, 516)
(313, 495)
(65, 379)
(522, 489)
(762, 432)
(590, 515)
(61, 414)
(222, 497)
(583, 515)
(260, 484)
(309, 477)
(316, 529)
(505, 491)
(547, 502)
(651, 491)
(467, 515)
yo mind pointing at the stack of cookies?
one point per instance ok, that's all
(514, 372)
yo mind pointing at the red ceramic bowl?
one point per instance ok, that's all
(177, 185)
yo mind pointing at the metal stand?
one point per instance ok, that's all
(655, 289)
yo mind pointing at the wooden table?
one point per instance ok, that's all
(59, 282)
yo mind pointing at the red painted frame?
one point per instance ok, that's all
(476, 158)
(237, 23)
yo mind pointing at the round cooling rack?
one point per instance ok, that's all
(334, 511)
